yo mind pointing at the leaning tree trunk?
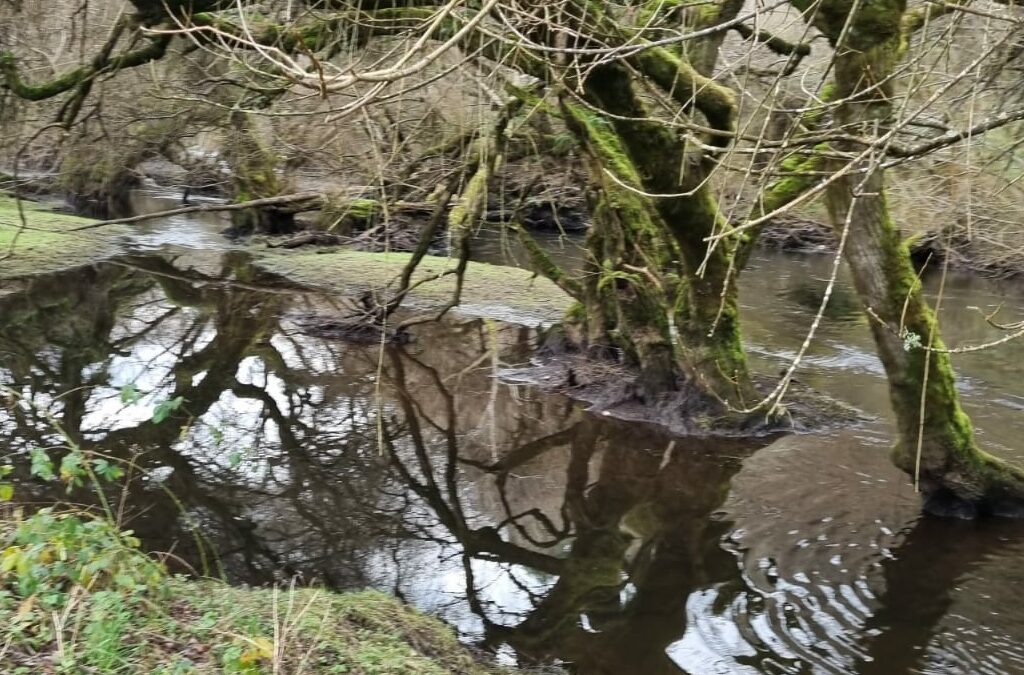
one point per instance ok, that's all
(935, 440)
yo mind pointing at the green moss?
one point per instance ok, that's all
(49, 89)
(490, 291)
(46, 245)
(252, 162)
(544, 265)
(665, 235)
(675, 75)
(801, 173)
(471, 202)
(689, 87)
(875, 21)
(608, 151)
(924, 381)
(532, 100)
(658, 12)
(604, 142)
(577, 313)
(343, 215)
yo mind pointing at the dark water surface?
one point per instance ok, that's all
(543, 532)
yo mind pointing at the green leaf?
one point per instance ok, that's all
(6, 492)
(130, 394)
(104, 469)
(72, 468)
(164, 409)
(42, 465)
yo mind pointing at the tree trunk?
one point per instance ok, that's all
(935, 440)
(680, 319)
(950, 465)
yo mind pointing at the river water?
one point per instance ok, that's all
(545, 533)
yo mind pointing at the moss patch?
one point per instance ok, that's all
(490, 291)
(46, 245)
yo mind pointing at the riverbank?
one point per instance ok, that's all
(995, 252)
(41, 244)
(77, 595)
(490, 291)
(36, 240)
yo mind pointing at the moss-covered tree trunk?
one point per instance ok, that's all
(935, 441)
(652, 287)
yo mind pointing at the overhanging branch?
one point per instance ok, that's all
(13, 81)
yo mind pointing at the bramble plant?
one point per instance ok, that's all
(53, 562)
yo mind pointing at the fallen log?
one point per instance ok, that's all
(301, 201)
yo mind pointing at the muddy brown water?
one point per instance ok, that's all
(544, 532)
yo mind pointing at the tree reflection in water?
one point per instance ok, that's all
(534, 526)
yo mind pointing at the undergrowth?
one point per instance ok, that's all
(78, 595)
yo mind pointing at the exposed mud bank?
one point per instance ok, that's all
(610, 389)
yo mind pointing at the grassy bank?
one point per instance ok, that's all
(78, 596)
(42, 243)
(491, 291)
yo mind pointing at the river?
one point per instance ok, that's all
(545, 533)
